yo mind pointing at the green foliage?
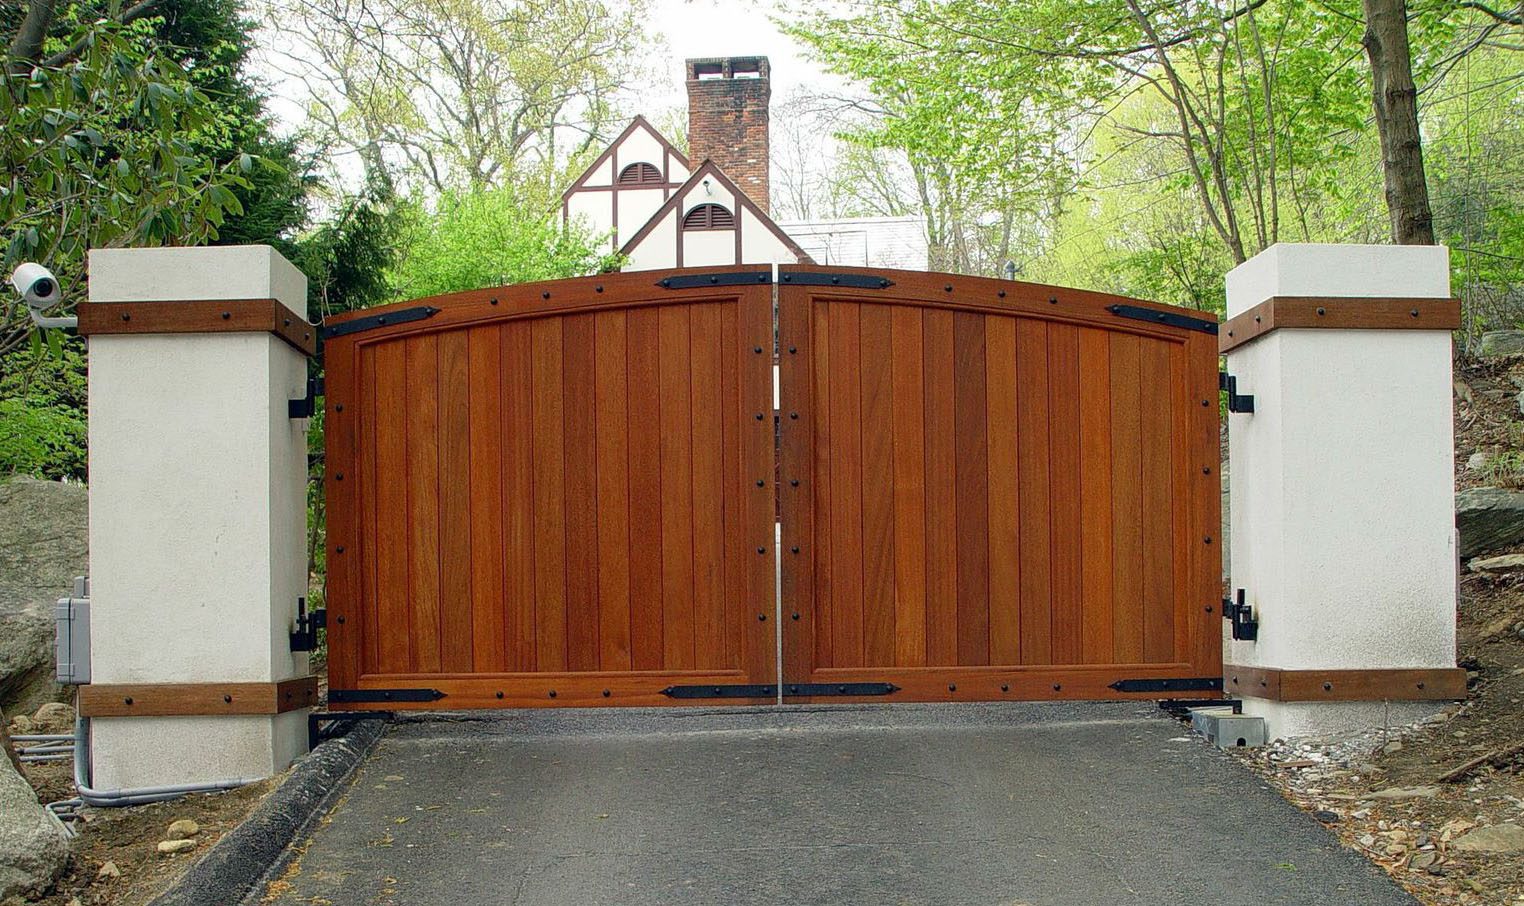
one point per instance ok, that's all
(100, 152)
(42, 412)
(489, 238)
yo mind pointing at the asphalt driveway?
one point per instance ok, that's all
(1042, 804)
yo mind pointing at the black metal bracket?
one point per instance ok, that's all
(1187, 684)
(315, 720)
(851, 281)
(1241, 615)
(360, 696)
(371, 322)
(304, 407)
(1180, 707)
(763, 690)
(1167, 318)
(733, 278)
(308, 622)
(1237, 402)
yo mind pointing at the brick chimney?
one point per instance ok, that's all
(728, 119)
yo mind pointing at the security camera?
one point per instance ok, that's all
(39, 288)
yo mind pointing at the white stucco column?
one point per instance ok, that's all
(1341, 485)
(197, 510)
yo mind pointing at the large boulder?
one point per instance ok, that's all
(33, 846)
(1489, 519)
(43, 546)
(1502, 342)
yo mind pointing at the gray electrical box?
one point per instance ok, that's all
(71, 630)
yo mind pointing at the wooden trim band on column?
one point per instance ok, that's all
(180, 699)
(210, 316)
(1343, 313)
(1417, 684)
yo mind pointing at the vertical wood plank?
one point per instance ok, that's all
(1187, 542)
(611, 418)
(942, 547)
(578, 381)
(758, 459)
(1065, 523)
(846, 486)
(1206, 489)
(970, 428)
(1004, 495)
(646, 542)
(1033, 376)
(488, 595)
(1158, 521)
(343, 597)
(547, 383)
(1126, 500)
(823, 331)
(796, 395)
(518, 502)
(423, 500)
(390, 648)
(1095, 459)
(676, 488)
(734, 564)
(878, 415)
(708, 489)
(456, 644)
(909, 424)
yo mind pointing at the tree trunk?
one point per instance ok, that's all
(26, 46)
(1396, 104)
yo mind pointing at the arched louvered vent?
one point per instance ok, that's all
(640, 174)
(709, 217)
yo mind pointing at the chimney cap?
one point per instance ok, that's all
(704, 69)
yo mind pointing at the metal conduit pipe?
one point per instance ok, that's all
(139, 796)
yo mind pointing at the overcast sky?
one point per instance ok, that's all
(717, 28)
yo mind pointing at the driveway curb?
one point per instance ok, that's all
(236, 865)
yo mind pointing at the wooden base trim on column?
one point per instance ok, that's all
(1417, 684)
(182, 699)
(213, 316)
(1340, 313)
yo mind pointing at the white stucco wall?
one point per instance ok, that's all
(658, 250)
(1342, 497)
(636, 207)
(197, 511)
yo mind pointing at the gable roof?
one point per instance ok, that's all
(639, 122)
(710, 169)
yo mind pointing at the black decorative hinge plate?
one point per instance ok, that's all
(1241, 615)
(764, 690)
(1188, 684)
(308, 622)
(355, 696)
(1167, 318)
(732, 278)
(851, 281)
(1237, 402)
(371, 322)
(304, 407)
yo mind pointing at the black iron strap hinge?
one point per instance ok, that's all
(731, 278)
(1237, 402)
(308, 622)
(1241, 615)
(356, 696)
(371, 322)
(304, 407)
(790, 690)
(1167, 318)
(851, 281)
(1187, 684)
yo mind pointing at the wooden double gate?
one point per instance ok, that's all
(583, 492)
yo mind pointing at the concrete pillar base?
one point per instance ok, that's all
(1335, 720)
(133, 752)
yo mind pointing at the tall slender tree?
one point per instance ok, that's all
(1395, 99)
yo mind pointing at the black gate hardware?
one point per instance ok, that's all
(1241, 615)
(315, 719)
(1237, 402)
(804, 689)
(308, 622)
(373, 321)
(755, 690)
(1188, 684)
(356, 696)
(1167, 318)
(1180, 707)
(852, 281)
(304, 407)
(733, 278)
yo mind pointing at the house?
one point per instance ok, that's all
(663, 209)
